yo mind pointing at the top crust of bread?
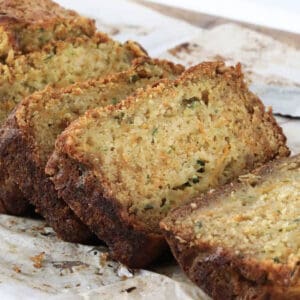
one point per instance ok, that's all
(223, 265)
(90, 166)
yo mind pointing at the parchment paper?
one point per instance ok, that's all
(36, 265)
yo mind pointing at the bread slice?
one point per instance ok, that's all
(241, 241)
(121, 169)
(27, 25)
(28, 138)
(60, 64)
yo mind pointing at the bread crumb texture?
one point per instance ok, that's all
(249, 229)
(167, 144)
(44, 115)
(60, 64)
(259, 219)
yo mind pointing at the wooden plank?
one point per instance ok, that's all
(208, 21)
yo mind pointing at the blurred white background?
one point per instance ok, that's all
(279, 14)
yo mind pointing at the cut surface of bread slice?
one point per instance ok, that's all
(121, 169)
(242, 241)
(27, 25)
(58, 64)
(28, 138)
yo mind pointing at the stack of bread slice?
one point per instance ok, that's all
(75, 52)
(123, 168)
(101, 139)
(28, 136)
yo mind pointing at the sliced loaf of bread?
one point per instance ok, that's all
(59, 64)
(121, 169)
(28, 137)
(242, 241)
(27, 25)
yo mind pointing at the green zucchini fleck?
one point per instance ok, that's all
(195, 179)
(276, 259)
(134, 78)
(190, 102)
(48, 57)
(148, 206)
(114, 101)
(201, 166)
(198, 226)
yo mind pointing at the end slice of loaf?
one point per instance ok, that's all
(27, 25)
(242, 241)
(28, 138)
(59, 64)
(121, 169)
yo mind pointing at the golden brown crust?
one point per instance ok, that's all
(222, 273)
(28, 25)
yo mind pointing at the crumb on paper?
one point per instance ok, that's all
(69, 265)
(38, 260)
(12, 222)
(184, 47)
(103, 257)
(124, 273)
(114, 31)
(129, 290)
(16, 269)
(220, 57)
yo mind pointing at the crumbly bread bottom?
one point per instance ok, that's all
(248, 229)
(154, 151)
